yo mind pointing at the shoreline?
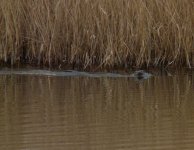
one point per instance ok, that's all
(95, 68)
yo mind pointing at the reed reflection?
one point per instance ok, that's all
(96, 113)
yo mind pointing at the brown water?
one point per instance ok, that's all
(81, 113)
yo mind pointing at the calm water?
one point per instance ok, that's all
(82, 113)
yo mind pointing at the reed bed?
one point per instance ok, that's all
(104, 33)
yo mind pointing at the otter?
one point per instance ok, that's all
(141, 74)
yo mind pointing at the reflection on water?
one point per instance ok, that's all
(80, 113)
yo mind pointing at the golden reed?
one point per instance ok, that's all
(107, 33)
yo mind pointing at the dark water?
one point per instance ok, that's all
(82, 113)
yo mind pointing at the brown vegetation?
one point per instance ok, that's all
(97, 32)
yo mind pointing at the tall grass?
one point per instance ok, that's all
(97, 32)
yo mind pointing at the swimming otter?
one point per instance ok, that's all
(140, 74)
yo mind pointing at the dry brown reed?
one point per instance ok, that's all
(97, 32)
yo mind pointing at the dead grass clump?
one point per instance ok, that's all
(103, 32)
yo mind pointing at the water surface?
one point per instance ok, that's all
(104, 113)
